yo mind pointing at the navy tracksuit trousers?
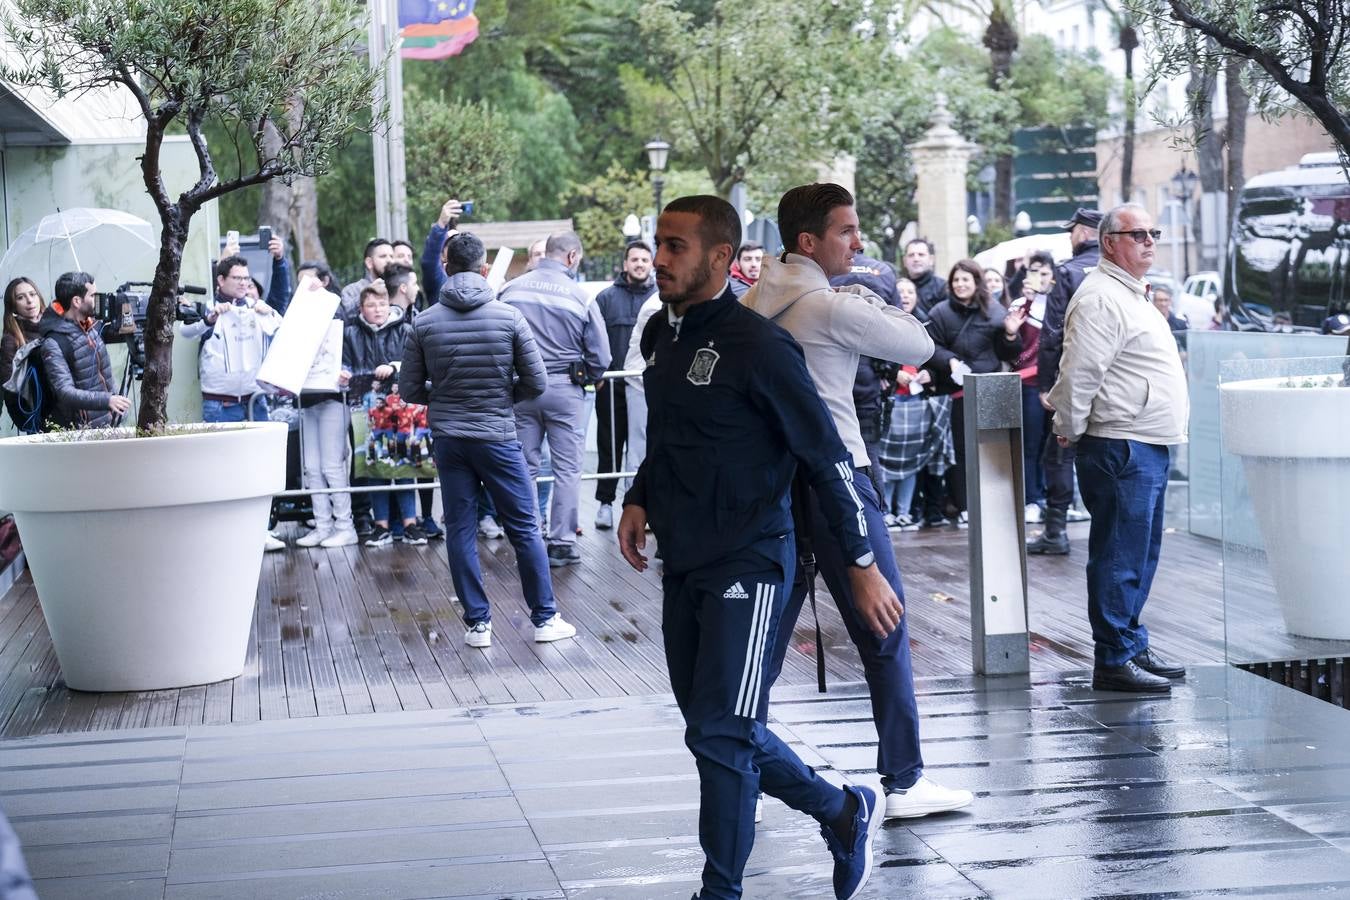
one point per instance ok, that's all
(886, 663)
(720, 624)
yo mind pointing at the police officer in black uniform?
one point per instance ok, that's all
(732, 414)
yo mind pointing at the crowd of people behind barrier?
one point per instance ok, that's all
(361, 434)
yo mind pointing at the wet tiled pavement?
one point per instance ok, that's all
(1232, 786)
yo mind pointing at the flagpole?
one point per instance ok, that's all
(398, 227)
(391, 201)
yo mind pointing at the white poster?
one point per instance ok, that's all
(323, 374)
(303, 340)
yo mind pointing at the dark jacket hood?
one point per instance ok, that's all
(53, 321)
(465, 291)
(395, 319)
(642, 289)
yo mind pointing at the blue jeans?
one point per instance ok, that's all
(900, 494)
(403, 502)
(886, 663)
(1124, 486)
(500, 467)
(218, 411)
(716, 638)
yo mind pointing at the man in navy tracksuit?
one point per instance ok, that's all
(732, 414)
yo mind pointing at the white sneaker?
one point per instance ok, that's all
(271, 545)
(479, 635)
(604, 517)
(1034, 514)
(759, 808)
(314, 538)
(963, 520)
(555, 629)
(1075, 514)
(342, 537)
(925, 798)
(488, 528)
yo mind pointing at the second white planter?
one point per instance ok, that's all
(146, 552)
(1295, 448)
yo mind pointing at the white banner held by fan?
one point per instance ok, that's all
(304, 343)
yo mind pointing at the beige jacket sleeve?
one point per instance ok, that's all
(868, 325)
(1093, 337)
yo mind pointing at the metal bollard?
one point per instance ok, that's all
(996, 495)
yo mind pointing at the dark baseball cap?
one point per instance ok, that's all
(1089, 217)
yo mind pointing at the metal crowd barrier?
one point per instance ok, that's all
(612, 375)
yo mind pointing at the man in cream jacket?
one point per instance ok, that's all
(834, 326)
(1121, 398)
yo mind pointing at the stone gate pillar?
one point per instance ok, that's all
(941, 158)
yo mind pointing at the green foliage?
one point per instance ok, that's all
(599, 207)
(758, 86)
(233, 63)
(1300, 50)
(458, 148)
(1060, 88)
(1047, 87)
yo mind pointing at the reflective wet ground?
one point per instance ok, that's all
(1233, 786)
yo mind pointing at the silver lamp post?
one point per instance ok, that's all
(658, 152)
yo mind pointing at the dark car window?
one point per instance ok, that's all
(1290, 255)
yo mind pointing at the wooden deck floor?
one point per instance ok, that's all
(357, 631)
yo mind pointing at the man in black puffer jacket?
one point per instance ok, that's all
(75, 359)
(470, 358)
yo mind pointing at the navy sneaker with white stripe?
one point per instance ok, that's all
(853, 864)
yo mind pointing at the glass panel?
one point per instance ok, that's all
(1284, 425)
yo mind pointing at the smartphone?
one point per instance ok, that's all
(232, 237)
(264, 236)
(466, 208)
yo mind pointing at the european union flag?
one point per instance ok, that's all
(428, 12)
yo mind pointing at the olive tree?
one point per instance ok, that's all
(285, 77)
(1289, 53)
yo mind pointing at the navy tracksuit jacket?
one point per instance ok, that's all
(732, 413)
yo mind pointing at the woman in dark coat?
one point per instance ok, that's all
(971, 334)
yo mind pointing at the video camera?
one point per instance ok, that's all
(124, 312)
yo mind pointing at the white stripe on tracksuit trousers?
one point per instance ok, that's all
(747, 698)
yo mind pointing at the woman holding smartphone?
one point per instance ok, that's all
(971, 334)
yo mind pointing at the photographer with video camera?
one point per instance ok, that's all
(75, 359)
(234, 335)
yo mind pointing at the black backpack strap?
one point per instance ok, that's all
(806, 559)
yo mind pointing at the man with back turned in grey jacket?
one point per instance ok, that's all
(470, 357)
(570, 332)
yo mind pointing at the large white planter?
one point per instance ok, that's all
(146, 552)
(1295, 448)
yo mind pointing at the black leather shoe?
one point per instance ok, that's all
(1130, 678)
(1150, 661)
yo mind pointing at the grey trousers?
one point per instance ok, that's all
(637, 428)
(558, 413)
(326, 461)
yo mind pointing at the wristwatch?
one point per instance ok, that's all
(865, 560)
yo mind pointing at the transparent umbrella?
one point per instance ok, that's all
(111, 245)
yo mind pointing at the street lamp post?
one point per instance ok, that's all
(1183, 186)
(658, 151)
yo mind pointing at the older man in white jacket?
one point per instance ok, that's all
(834, 326)
(1121, 398)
